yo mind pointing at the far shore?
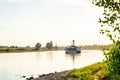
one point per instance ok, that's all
(22, 51)
(31, 49)
(26, 51)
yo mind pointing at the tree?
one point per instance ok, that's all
(49, 45)
(37, 46)
(110, 25)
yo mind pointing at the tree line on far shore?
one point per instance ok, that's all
(37, 47)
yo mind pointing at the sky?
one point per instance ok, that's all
(26, 22)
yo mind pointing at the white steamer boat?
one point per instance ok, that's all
(73, 49)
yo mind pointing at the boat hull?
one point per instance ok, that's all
(69, 50)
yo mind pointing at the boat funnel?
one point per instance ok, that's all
(73, 42)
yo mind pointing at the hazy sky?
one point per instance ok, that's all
(26, 22)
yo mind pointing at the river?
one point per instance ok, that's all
(15, 65)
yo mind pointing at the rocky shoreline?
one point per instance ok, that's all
(50, 76)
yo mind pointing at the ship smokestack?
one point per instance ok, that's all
(73, 42)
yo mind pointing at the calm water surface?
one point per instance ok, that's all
(15, 65)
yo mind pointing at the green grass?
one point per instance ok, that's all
(7, 50)
(93, 72)
(12, 50)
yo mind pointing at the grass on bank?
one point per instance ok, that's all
(5, 50)
(93, 72)
(11, 50)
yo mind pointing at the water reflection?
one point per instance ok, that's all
(38, 55)
(49, 55)
(73, 57)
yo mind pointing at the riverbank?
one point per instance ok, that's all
(92, 72)
(32, 49)
(53, 76)
(41, 50)
(20, 50)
